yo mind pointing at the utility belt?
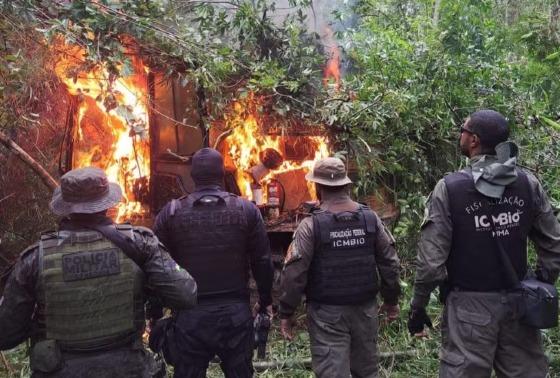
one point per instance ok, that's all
(496, 291)
(131, 340)
(446, 287)
(47, 355)
(364, 302)
(223, 298)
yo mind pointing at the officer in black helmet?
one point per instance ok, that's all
(218, 236)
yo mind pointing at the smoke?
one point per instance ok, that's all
(330, 19)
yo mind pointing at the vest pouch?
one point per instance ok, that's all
(46, 356)
(539, 304)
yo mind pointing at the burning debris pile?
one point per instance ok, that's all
(268, 157)
(109, 123)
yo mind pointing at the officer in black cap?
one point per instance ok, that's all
(218, 236)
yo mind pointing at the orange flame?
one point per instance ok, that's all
(248, 140)
(112, 124)
(332, 68)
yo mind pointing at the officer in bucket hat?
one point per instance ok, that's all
(86, 318)
(334, 259)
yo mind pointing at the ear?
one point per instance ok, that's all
(475, 141)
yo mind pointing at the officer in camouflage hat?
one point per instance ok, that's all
(79, 293)
(335, 259)
(471, 215)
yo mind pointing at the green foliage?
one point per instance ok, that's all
(414, 79)
(220, 47)
(414, 74)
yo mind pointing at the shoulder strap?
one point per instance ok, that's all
(369, 217)
(316, 232)
(125, 243)
(176, 205)
(320, 218)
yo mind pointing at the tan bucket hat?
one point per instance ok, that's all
(329, 171)
(86, 191)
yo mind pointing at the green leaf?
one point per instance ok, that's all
(550, 123)
(552, 56)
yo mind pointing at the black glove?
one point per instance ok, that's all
(417, 318)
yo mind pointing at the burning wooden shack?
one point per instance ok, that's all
(142, 129)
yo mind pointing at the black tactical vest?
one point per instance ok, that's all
(474, 262)
(343, 270)
(208, 238)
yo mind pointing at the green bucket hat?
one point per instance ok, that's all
(329, 171)
(86, 191)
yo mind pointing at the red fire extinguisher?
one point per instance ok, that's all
(274, 198)
(273, 193)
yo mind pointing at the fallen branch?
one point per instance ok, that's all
(306, 362)
(8, 196)
(45, 176)
(9, 368)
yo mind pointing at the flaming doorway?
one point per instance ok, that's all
(109, 124)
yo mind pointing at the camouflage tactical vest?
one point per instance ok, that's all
(88, 286)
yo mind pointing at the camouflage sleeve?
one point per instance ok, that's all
(165, 279)
(160, 225)
(545, 234)
(293, 279)
(434, 246)
(388, 264)
(18, 302)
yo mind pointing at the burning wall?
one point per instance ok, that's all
(111, 124)
(110, 127)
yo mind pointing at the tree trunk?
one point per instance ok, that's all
(554, 16)
(435, 15)
(512, 12)
(47, 179)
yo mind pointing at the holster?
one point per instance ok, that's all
(261, 326)
(539, 304)
(162, 340)
(46, 356)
